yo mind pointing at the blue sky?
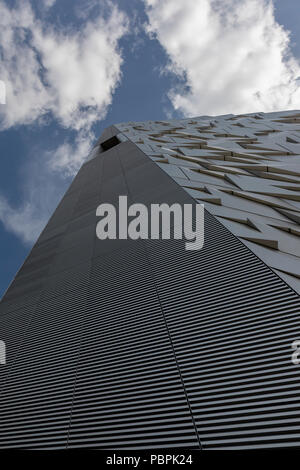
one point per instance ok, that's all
(73, 67)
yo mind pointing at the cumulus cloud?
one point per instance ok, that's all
(232, 54)
(61, 72)
(69, 73)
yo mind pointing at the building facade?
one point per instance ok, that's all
(141, 344)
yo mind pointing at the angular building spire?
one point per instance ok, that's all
(140, 344)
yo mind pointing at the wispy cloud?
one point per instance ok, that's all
(23, 221)
(67, 158)
(41, 190)
(55, 72)
(48, 3)
(232, 55)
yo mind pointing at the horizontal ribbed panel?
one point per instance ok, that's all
(232, 330)
(128, 390)
(142, 344)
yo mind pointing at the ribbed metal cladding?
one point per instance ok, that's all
(128, 390)
(142, 344)
(232, 324)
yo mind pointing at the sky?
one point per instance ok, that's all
(71, 68)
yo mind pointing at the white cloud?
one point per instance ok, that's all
(55, 71)
(67, 158)
(27, 97)
(49, 3)
(41, 193)
(71, 74)
(234, 55)
(24, 221)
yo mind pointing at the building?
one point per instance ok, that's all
(142, 344)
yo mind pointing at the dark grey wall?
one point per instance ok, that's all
(143, 344)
